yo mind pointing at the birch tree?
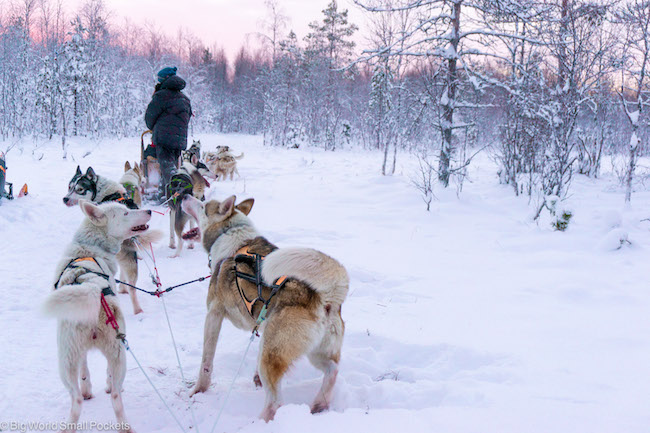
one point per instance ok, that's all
(634, 63)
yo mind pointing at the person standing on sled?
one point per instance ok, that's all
(168, 116)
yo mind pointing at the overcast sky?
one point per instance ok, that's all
(224, 22)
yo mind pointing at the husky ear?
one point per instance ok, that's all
(78, 172)
(127, 166)
(228, 206)
(94, 213)
(136, 168)
(246, 206)
(91, 174)
(194, 159)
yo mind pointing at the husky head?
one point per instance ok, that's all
(192, 152)
(222, 149)
(133, 170)
(192, 163)
(81, 186)
(116, 220)
(215, 217)
(132, 174)
(210, 157)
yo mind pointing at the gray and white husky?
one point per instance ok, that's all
(99, 189)
(85, 274)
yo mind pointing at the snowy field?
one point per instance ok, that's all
(468, 318)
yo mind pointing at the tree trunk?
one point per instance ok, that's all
(449, 100)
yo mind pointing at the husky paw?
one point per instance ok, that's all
(197, 389)
(172, 246)
(190, 247)
(319, 406)
(269, 412)
(137, 310)
(122, 289)
(87, 395)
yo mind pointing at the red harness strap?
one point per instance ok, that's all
(110, 317)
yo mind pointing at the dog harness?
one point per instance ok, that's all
(254, 260)
(106, 291)
(130, 189)
(119, 197)
(180, 184)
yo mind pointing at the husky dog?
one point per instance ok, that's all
(98, 189)
(304, 317)
(223, 162)
(189, 179)
(85, 274)
(195, 149)
(131, 180)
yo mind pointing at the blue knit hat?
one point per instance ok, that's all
(165, 73)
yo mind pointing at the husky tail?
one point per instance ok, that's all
(240, 156)
(323, 274)
(149, 237)
(75, 303)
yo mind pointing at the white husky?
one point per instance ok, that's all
(85, 275)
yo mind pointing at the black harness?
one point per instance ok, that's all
(106, 291)
(254, 260)
(119, 197)
(180, 185)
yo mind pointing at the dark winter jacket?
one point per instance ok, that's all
(168, 114)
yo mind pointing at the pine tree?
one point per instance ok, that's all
(331, 48)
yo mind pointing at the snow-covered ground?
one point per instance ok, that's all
(468, 318)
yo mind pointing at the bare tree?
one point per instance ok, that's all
(634, 17)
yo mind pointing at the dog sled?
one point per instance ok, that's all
(7, 188)
(150, 167)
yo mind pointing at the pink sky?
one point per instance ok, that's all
(224, 22)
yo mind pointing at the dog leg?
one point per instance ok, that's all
(190, 246)
(211, 331)
(86, 386)
(69, 371)
(330, 369)
(278, 353)
(172, 220)
(179, 248)
(129, 273)
(180, 218)
(121, 288)
(109, 380)
(117, 367)
(137, 309)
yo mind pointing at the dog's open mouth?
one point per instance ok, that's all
(192, 235)
(141, 228)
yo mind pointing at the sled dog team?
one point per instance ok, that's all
(300, 294)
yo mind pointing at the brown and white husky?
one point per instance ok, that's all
(304, 317)
(131, 181)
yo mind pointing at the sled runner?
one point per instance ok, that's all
(149, 163)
